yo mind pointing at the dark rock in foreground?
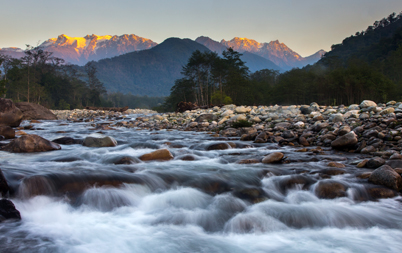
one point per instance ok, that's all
(3, 184)
(386, 176)
(8, 211)
(30, 143)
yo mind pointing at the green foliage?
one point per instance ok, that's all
(63, 105)
(241, 123)
(219, 98)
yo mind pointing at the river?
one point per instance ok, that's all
(77, 200)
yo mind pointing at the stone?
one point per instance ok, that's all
(364, 116)
(344, 130)
(347, 140)
(330, 189)
(99, 140)
(375, 162)
(127, 160)
(336, 165)
(10, 115)
(193, 124)
(288, 134)
(7, 132)
(299, 124)
(273, 157)
(248, 161)
(394, 163)
(367, 103)
(337, 117)
(227, 113)
(305, 109)
(218, 146)
(303, 141)
(242, 109)
(381, 193)
(4, 188)
(387, 111)
(160, 155)
(368, 150)
(8, 210)
(67, 141)
(158, 117)
(386, 176)
(206, 117)
(33, 111)
(30, 143)
(362, 164)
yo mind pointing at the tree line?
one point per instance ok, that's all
(41, 78)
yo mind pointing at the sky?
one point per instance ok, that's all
(305, 26)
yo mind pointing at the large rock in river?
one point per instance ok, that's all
(7, 132)
(3, 184)
(10, 115)
(8, 211)
(99, 140)
(347, 140)
(386, 176)
(33, 111)
(273, 157)
(159, 155)
(30, 143)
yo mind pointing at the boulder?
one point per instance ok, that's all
(99, 140)
(386, 176)
(67, 141)
(8, 211)
(159, 155)
(33, 111)
(218, 146)
(7, 132)
(367, 103)
(330, 189)
(273, 157)
(127, 160)
(381, 193)
(375, 162)
(242, 109)
(337, 117)
(10, 115)
(3, 184)
(347, 140)
(30, 143)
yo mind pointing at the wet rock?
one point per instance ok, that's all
(252, 194)
(193, 124)
(159, 155)
(303, 141)
(218, 146)
(396, 157)
(3, 184)
(7, 132)
(386, 176)
(344, 130)
(248, 161)
(8, 210)
(10, 115)
(394, 163)
(332, 171)
(329, 189)
(336, 165)
(209, 185)
(273, 157)
(33, 111)
(375, 162)
(368, 150)
(30, 143)
(364, 175)
(347, 140)
(293, 181)
(99, 140)
(67, 141)
(187, 158)
(362, 164)
(127, 160)
(381, 193)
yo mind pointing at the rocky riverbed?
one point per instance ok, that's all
(231, 179)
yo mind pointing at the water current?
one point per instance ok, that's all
(77, 200)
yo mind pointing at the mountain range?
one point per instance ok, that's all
(80, 50)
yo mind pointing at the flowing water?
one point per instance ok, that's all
(77, 200)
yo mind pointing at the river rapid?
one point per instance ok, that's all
(77, 200)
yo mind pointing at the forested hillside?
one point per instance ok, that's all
(367, 65)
